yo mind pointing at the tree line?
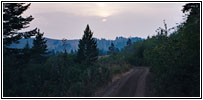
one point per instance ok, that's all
(174, 58)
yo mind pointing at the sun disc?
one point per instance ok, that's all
(104, 20)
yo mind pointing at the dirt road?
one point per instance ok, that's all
(130, 85)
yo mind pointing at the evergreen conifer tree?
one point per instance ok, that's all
(72, 52)
(87, 51)
(129, 43)
(26, 53)
(13, 22)
(26, 49)
(113, 49)
(39, 49)
(64, 44)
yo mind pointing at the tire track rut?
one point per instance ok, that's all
(130, 85)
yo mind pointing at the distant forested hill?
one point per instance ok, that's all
(56, 45)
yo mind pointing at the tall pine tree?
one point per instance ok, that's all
(87, 52)
(13, 22)
(39, 49)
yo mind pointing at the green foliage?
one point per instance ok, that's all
(117, 64)
(136, 57)
(60, 75)
(129, 46)
(13, 22)
(16, 60)
(26, 53)
(174, 59)
(87, 52)
(28, 73)
(39, 49)
(71, 79)
(20, 78)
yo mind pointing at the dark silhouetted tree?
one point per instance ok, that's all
(64, 44)
(87, 51)
(113, 49)
(193, 8)
(13, 22)
(163, 31)
(129, 47)
(26, 53)
(39, 49)
(129, 43)
(72, 52)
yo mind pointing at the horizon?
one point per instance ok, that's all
(96, 38)
(106, 20)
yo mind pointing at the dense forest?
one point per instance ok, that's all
(173, 58)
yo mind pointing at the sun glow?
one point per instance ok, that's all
(101, 4)
(103, 10)
(103, 14)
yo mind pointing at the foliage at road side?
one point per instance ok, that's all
(41, 74)
(116, 63)
(174, 58)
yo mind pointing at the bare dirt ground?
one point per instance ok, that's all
(132, 84)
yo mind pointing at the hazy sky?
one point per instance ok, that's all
(106, 20)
